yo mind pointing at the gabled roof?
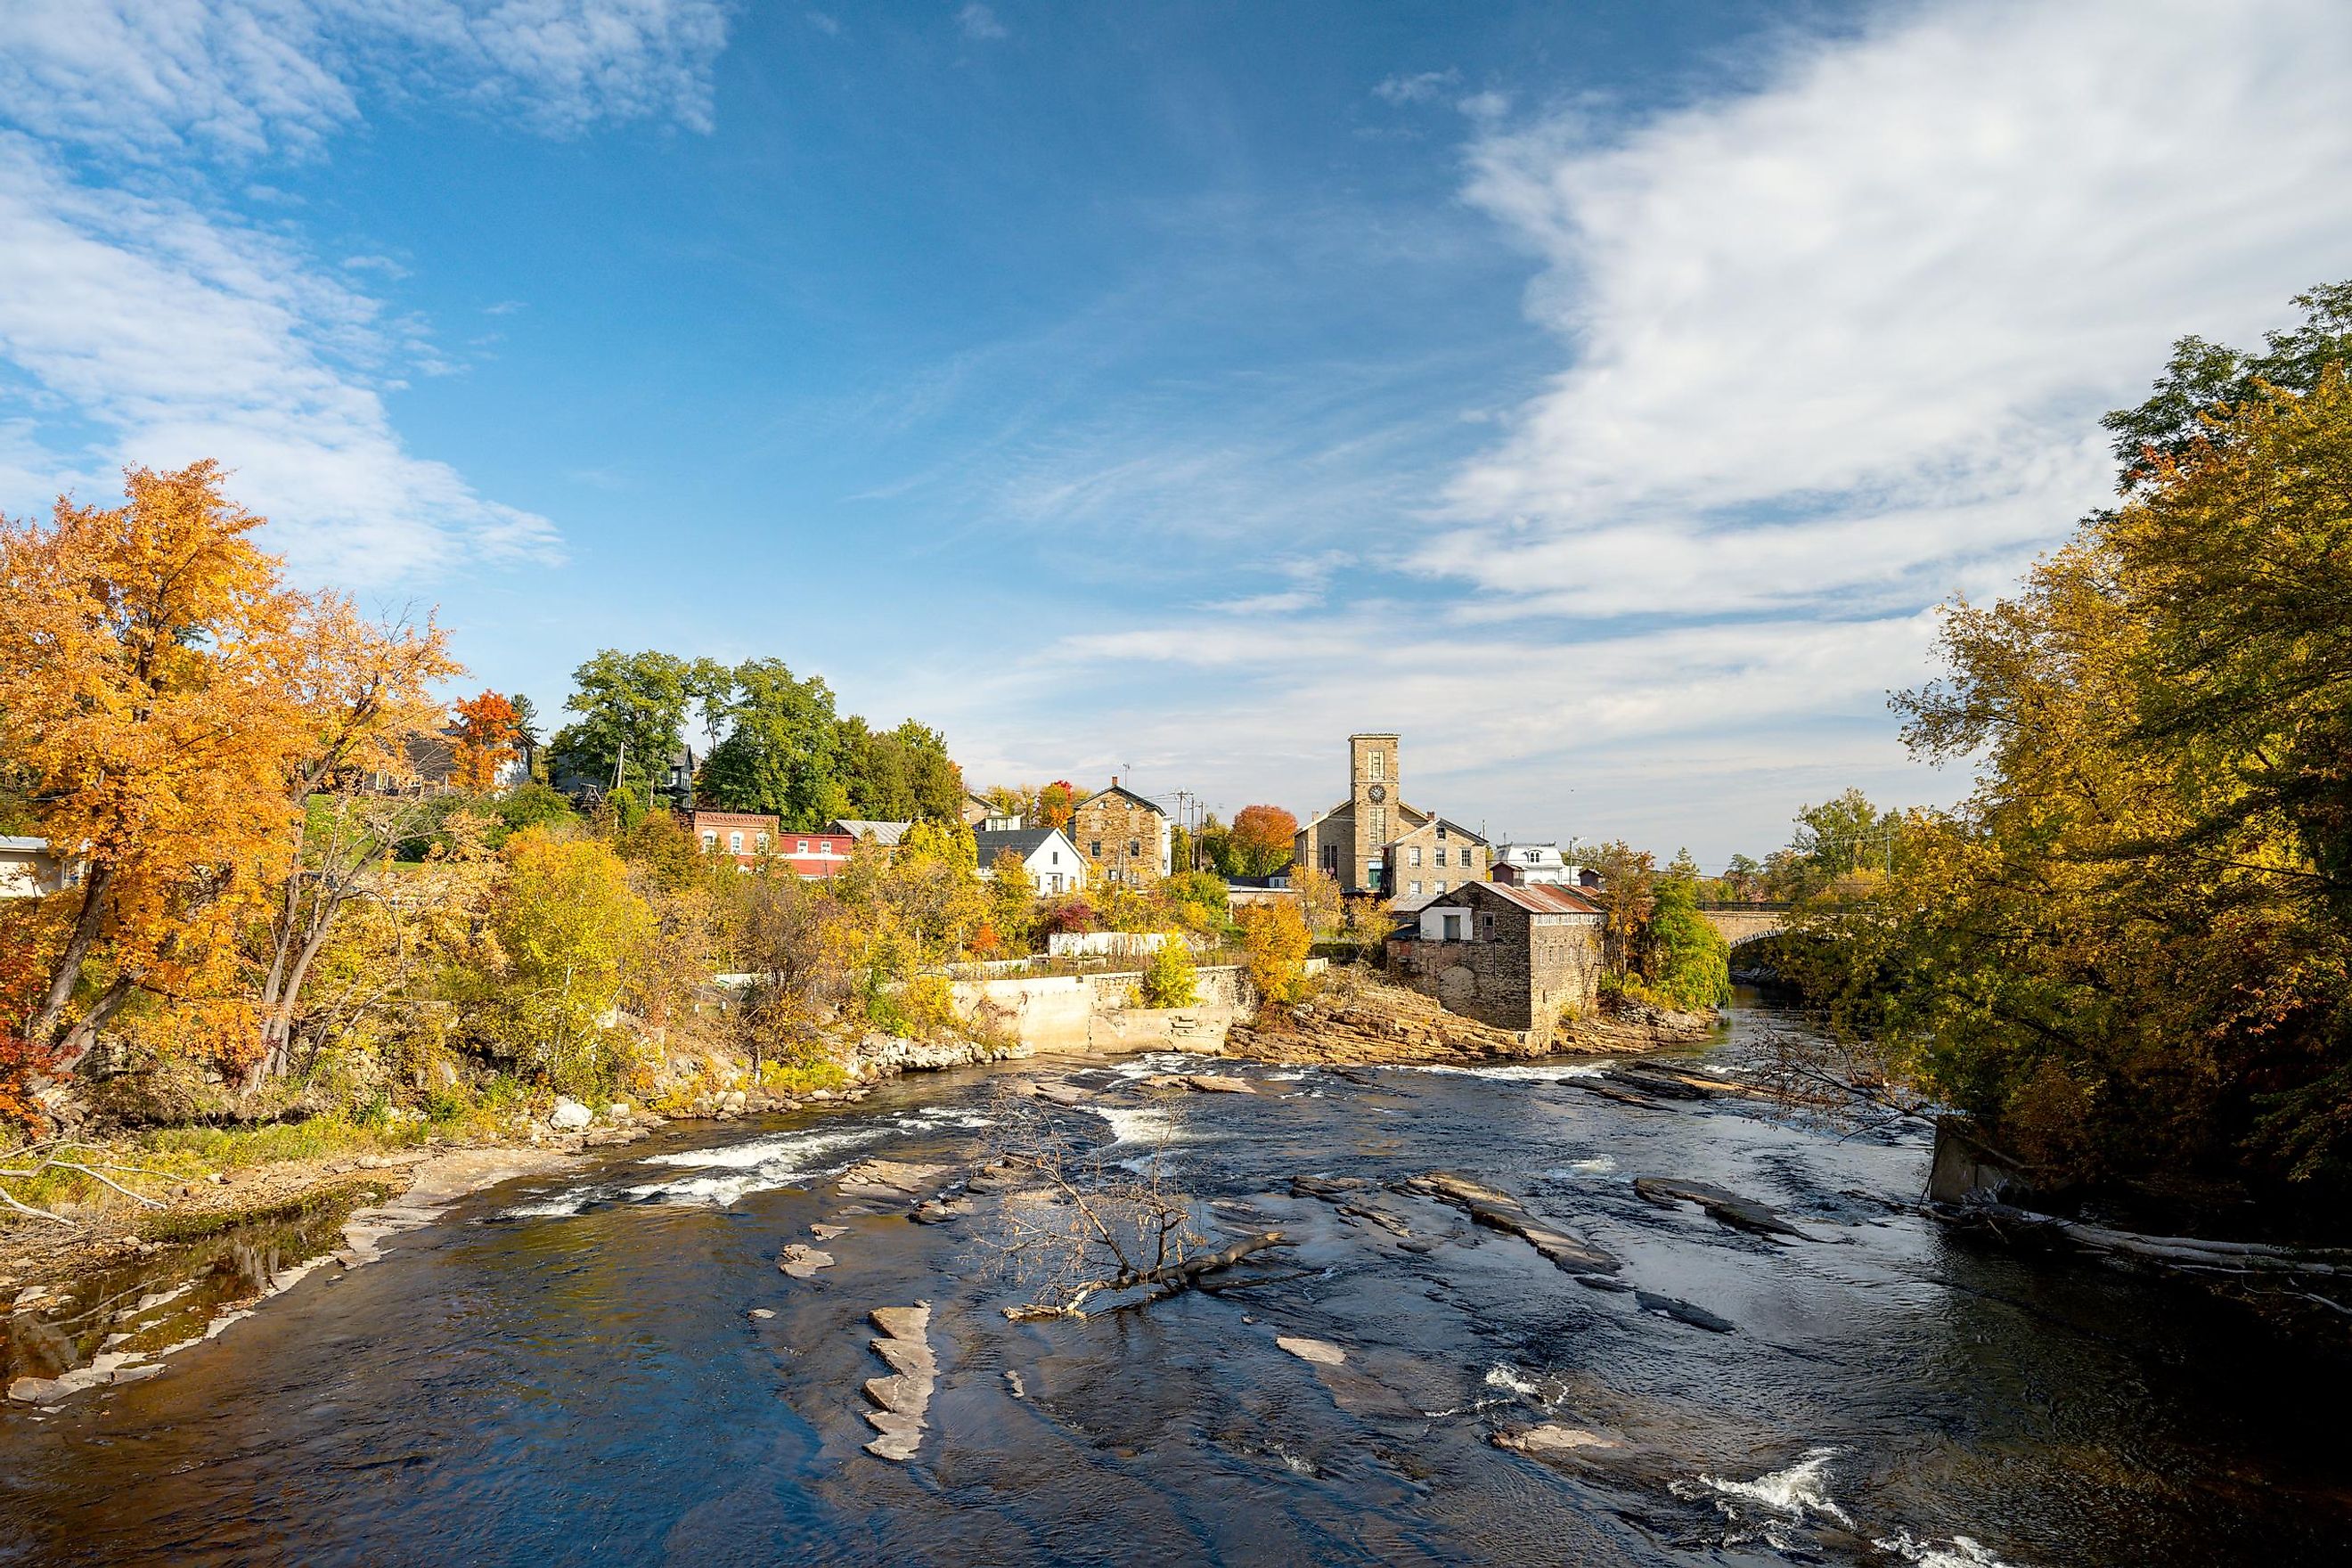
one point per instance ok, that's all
(1541, 897)
(886, 834)
(1147, 802)
(1022, 841)
(1453, 829)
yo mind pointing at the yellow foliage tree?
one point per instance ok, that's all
(1274, 943)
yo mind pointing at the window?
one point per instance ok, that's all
(1441, 830)
(1416, 887)
(1440, 854)
(1528, 856)
(1135, 847)
(1380, 825)
(1441, 884)
(709, 840)
(1413, 855)
(1332, 857)
(1489, 920)
(759, 842)
(1093, 848)
(735, 843)
(1380, 761)
(1057, 856)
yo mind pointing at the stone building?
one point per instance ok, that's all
(1126, 837)
(1373, 842)
(1512, 957)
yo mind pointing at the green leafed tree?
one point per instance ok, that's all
(632, 710)
(783, 753)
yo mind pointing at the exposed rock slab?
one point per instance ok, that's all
(901, 1398)
(1729, 1208)
(1322, 1353)
(1201, 1082)
(802, 1261)
(1552, 1441)
(1500, 1211)
(892, 1179)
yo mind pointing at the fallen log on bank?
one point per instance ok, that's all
(2177, 1252)
(1169, 1280)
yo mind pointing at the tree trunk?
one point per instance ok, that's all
(76, 1041)
(44, 1022)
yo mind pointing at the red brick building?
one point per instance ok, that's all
(749, 837)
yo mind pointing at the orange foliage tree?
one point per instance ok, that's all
(1262, 837)
(174, 704)
(485, 741)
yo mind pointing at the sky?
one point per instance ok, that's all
(1600, 396)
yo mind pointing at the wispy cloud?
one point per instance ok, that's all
(147, 323)
(1834, 344)
(184, 335)
(1421, 87)
(829, 25)
(154, 77)
(1848, 334)
(979, 22)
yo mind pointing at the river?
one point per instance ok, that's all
(568, 1370)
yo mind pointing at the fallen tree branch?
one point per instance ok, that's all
(1169, 1280)
(25, 1208)
(53, 1162)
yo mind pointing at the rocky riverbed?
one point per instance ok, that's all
(1515, 1319)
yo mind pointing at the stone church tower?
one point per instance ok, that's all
(1374, 792)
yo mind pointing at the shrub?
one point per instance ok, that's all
(1169, 980)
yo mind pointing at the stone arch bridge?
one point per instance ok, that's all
(1746, 922)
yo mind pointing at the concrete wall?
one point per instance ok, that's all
(1092, 1012)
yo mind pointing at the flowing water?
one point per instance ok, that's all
(569, 1371)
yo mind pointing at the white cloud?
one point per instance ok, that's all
(829, 25)
(155, 78)
(1850, 332)
(1417, 88)
(150, 324)
(182, 335)
(979, 22)
(1836, 344)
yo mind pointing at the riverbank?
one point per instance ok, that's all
(1359, 1020)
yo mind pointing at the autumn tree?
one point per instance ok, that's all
(1261, 840)
(482, 741)
(564, 930)
(1275, 943)
(2128, 949)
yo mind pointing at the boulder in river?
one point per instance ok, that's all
(802, 1261)
(1683, 1312)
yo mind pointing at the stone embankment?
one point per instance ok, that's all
(1359, 1020)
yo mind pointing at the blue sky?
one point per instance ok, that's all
(1602, 396)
